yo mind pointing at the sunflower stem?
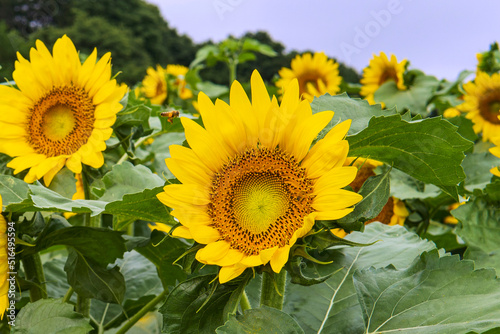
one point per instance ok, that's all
(68, 295)
(244, 302)
(273, 289)
(148, 307)
(83, 306)
(34, 273)
(232, 70)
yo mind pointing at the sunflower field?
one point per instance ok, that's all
(302, 204)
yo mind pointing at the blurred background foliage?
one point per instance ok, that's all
(132, 30)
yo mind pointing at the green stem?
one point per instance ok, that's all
(244, 302)
(83, 306)
(34, 273)
(68, 295)
(273, 289)
(148, 307)
(82, 303)
(232, 70)
(138, 143)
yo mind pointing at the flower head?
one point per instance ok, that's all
(179, 73)
(4, 285)
(62, 112)
(380, 70)
(251, 185)
(316, 74)
(154, 85)
(482, 104)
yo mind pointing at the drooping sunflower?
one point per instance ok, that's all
(380, 70)
(496, 152)
(251, 185)
(154, 85)
(179, 72)
(4, 285)
(317, 75)
(62, 112)
(482, 104)
(394, 211)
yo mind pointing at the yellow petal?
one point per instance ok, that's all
(204, 234)
(182, 194)
(228, 273)
(182, 232)
(279, 258)
(213, 252)
(26, 161)
(335, 178)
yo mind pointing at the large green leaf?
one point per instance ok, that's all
(332, 306)
(479, 224)
(141, 206)
(50, 316)
(102, 245)
(375, 192)
(261, 320)
(430, 150)
(360, 111)
(126, 178)
(434, 295)
(414, 98)
(93, 280)
(19, 196)
(196, 306)
(482, 259)
(477, 168)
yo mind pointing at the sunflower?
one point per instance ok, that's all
(496, 152)
(154, 85)
(394, 211)
(482, 104)
(251, 185)
(4, 285)
(62, 112)
(179, 73)
(317, 75)
(379, 71)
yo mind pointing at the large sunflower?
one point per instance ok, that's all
(154, 85)
(62, 112)
(482, 104)
(179, 73)
(251, 185)
(380, 70)
(317, 75)
(4, 285)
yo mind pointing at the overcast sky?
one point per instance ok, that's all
(439, 37)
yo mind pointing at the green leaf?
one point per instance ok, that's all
(375, 192)
(477, 168)
(250, 44)
(134, 114)
(13, 190)
(261, 320)
(359, 111)
(478, 224)
(465, 127)
(414, 98)
(429, 150)
(39, 198)
(163, 250)
(482, 259)
(50, 316)
(332, 306)
(141, 206)
(126, 178)
(403, 186)
(493, 190)
(212, 90)
(194, 306)
(443, 236)
(102, 245)
(64, 183)
(429, 297)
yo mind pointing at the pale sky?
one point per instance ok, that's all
(440, 37)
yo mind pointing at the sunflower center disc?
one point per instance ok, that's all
(259, 199)
(61, 121)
